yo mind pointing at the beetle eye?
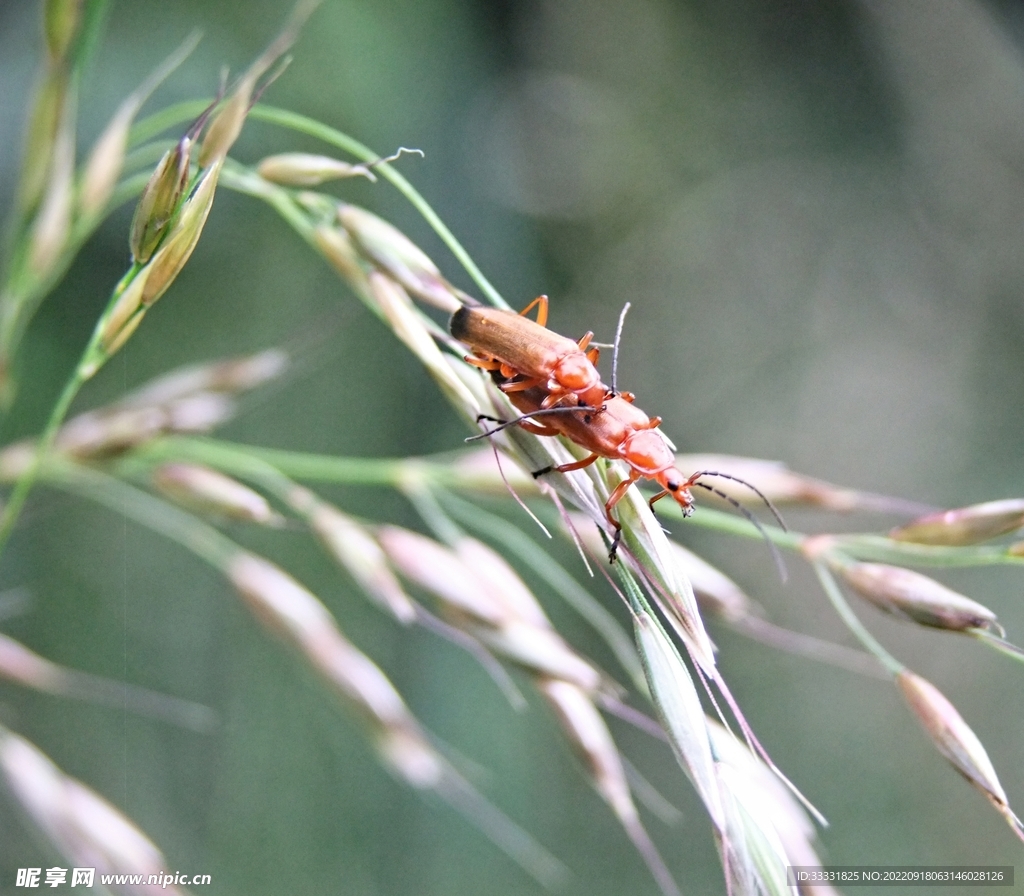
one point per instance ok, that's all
(673, 486)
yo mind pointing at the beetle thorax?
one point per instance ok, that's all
(647, 453)
(574, 372)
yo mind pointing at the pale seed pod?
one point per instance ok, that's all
(197, 413)
(107, 157)
(124, 308)
(411, 327)
(965, 525)
(177, 247)
(541, 651)
(302, 169)
(84, 828)
(18, 663)
(291, 611)
(590, 738)
(53, 220)
(501, 582)
(779, 484)
(397, 256)
(910, 595)
(159, 201)
(337, 248)
(355, 550)
(437, 570)
(106, 160)
(41, 136)
(114, 346)
(230, 376)
(955, 741)
(592, 742)
(210, 491)
(226, 125)
(107, 431)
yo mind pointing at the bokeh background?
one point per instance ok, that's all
(816, 210)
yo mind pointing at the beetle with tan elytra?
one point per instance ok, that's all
(528, 355)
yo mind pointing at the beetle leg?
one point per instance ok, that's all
(566, 468)
(482, 363)
(657, 497)
(577, 465)
(617, 495)
(553, 397)
(541, 304)
(538, 429)
(522, 385)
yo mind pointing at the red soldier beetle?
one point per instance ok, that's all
(526, 355)
(619, 430)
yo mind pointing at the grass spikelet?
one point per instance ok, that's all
(955, 740)
(356, 551)
(910, 595)
(590, 739)
(965, 525)
(83, 827)
(679, 709)
(209, 491)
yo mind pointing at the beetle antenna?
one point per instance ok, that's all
(505, 424)
(753, 488)
(615, 349)
(780, 564)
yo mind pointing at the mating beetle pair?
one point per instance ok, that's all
(551, 376)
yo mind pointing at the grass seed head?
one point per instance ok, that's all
(396, 255)
(302, 169)
(226, 124)
(592, 741)
(106, 160)
(53, 220)
(159, 201)
(83, 826)
(965, 525)
(340, 253)
(355, 550)
(409, 325)
(18, 663)
(769, 808)
(121, 314)
(910, 595)
(437, 570)
(181, 240)
(210, 491)
(501, 581)
(410, 756)
(956, 741)
(294, 613)
(43, 124)
(230, 376)
(680, 711)
(542, 651)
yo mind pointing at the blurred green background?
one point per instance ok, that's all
(816, 210)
